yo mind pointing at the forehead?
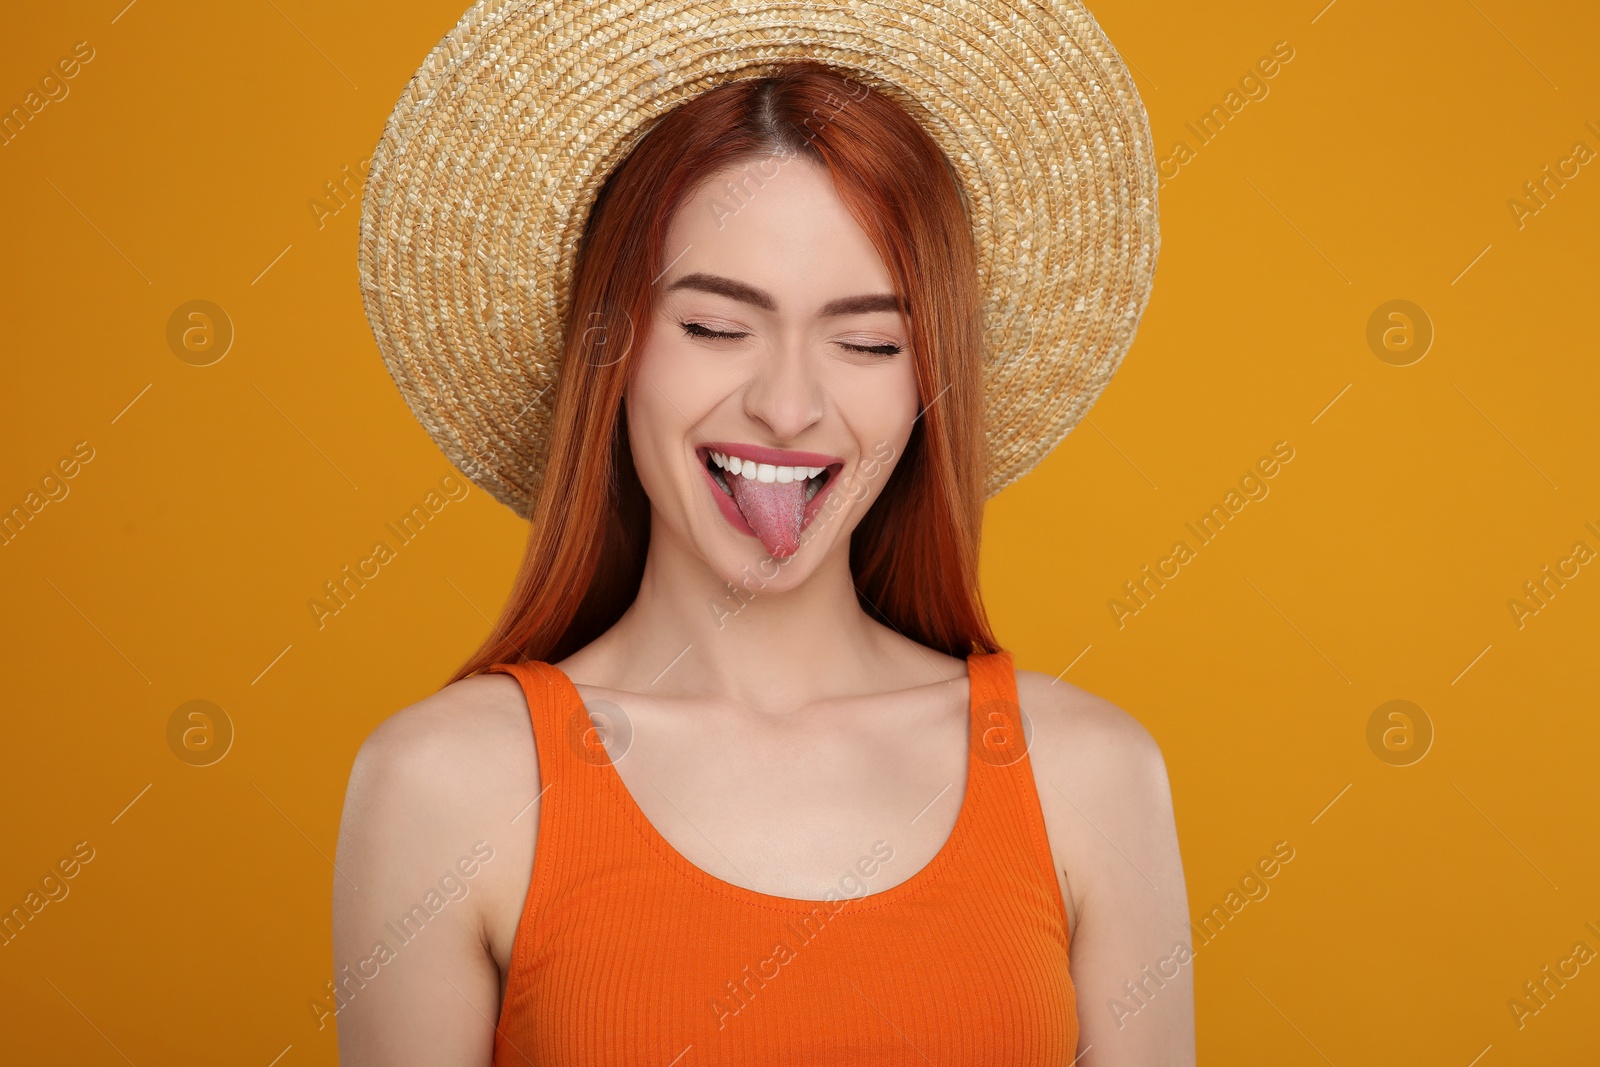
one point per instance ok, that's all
(778, 224)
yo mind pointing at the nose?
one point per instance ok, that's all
(785, 393)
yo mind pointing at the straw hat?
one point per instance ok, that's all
(481, 186)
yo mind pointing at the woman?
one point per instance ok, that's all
(742, 774)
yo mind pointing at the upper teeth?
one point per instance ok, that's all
(763, 472)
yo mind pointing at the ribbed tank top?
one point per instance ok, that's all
(628, 954)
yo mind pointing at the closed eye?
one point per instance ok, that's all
(695, 329)
(875, 350)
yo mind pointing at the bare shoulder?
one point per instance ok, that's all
(1079, 732)
(473, 734)
(452, 722)
(1107, 803)
(436, 781)
(430, 840)
(1108, 813)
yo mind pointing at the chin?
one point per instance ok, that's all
(749, 570)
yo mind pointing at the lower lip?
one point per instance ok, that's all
(735, 517)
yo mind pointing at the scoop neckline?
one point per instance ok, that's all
(924, 875)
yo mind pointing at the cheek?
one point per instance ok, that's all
(883, 409)
(648, 434)
(669, 395)
(676, 384)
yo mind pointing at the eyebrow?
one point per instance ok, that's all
(749, 294)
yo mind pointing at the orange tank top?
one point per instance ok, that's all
(627, 954)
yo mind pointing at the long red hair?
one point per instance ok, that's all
(914, 555)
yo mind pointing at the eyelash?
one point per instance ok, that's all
(690, 328)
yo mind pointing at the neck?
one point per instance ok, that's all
(767, 647)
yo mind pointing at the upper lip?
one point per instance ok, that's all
(778, 457)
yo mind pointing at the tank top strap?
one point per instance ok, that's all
(569, 739)
(569, 736)
(1001, 738)
(998, 730)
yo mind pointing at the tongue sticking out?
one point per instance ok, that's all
(774, 510)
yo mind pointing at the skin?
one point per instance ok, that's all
(824, 761)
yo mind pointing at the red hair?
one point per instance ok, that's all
(914, 555)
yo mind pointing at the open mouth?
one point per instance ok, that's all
(768, 493)
(724, 467)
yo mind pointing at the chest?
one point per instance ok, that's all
(929, 979)
(853, 800)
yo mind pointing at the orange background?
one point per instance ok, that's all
(1419, 500)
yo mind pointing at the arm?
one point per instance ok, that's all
(1108, 809)
(427, 860)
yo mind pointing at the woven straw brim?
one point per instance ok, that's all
(481, 185)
